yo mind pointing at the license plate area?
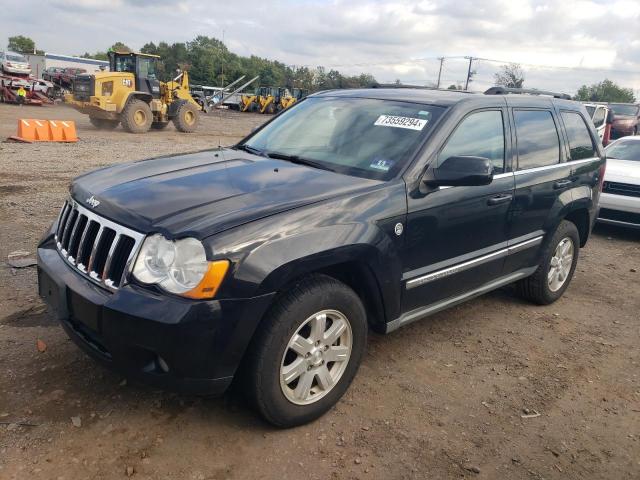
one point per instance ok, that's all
(83, 311)
(48, 290)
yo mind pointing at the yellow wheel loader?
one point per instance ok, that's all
(131, 95)
(247, 102)
(268, 99)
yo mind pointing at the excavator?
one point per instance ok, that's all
(130, 94)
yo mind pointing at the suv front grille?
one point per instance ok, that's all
(626, 189)
(98, 248)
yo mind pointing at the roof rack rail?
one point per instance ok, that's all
(415, 87)
(529, 91)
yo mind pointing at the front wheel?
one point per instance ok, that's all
(187, 118)
(308, 352)
(559, 260)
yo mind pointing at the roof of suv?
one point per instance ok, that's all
(447, 98)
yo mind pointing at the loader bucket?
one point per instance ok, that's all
(34, 130)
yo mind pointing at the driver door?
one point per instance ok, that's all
(455, 235)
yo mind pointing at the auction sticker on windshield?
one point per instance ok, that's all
(400, 122)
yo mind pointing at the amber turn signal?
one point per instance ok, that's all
(209, 284)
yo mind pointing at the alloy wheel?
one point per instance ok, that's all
(561, 264)
(316, 357)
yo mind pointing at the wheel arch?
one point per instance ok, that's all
(136, 95)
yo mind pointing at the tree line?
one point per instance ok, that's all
(210, 62)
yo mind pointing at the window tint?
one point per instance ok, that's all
(580, 143)
(538, 143)
(599, 117)
(480, 135)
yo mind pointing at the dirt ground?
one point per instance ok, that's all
(441, 398)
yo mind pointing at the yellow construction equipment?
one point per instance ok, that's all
(288, 99)
(132, 95)
(268, 99)
(247, 102)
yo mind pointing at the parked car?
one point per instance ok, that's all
(620, 199)
(53, 74)
(626, 118)
(14, 63)
(68, 75)
(43, 86)
(355, 209)
(598, 113)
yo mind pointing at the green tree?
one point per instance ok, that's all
(605, 91)
(510, 75)
(22, 44)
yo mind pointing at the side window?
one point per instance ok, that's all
(480, 134)
(598, 117)
(580, 142)
(537, 137)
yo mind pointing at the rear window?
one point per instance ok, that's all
(580, 142)
(538, 143)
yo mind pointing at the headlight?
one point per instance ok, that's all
(179, 267)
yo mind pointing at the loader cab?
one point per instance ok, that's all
(143, 67)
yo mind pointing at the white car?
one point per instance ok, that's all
(598, 113)
(620, 198)
(15, 63)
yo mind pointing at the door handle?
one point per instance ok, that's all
(498, 199)
(562, 184)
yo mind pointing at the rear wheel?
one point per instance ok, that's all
(187, 118)
(308, 352)
(559, 260)
(137, 117)
(103, 123)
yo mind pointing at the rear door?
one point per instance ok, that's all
(543, 181)
(456, 236)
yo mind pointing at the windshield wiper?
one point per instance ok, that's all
(299, 160)
(246, 148)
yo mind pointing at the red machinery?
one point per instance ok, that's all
(9, 86)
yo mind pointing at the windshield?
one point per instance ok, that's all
(356, 136)
(622, 109)
(14, 57)
(624, 150)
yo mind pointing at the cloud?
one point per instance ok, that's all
(388, 38)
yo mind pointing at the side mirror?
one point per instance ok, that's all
(461, 171)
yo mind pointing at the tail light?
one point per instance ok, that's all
(603, 168)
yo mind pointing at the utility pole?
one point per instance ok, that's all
(223, 46)
(440, 71)
(466, 84)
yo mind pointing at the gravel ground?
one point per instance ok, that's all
(453, 396)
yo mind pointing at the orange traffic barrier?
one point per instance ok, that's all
(33, 130)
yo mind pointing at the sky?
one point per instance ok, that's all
(561, 44)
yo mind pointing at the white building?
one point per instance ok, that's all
(39, 63)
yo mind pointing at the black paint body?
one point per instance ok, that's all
(277, 221)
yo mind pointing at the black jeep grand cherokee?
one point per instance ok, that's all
(270, 260)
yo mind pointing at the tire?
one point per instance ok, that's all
(270, 353)
(187, 118)
(103, 123)
(540, 288)
(159, 125)
(271, 109)
(136, 117)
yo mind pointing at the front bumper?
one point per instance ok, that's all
(139, 333)
(620, 210)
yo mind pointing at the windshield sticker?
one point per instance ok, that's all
(401, 122)
(382, 164)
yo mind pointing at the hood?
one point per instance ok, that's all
(623, 171)
(203, 193)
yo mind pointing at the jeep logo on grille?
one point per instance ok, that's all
(93, 201)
